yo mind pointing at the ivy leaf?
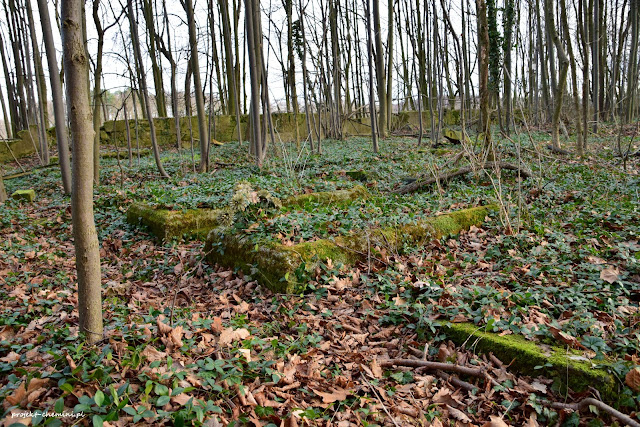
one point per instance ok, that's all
(99, 398)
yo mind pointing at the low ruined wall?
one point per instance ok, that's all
(288, 127)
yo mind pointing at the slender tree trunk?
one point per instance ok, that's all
(372, 102)
(85, 237)
(3, 191)
(143, 88)
(41, 87)
(483, 62)
(56, 93)
(632, 70)
(564, 67)
(383, 129)
(195, 67)
(255, 71)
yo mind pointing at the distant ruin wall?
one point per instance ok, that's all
(223, 129)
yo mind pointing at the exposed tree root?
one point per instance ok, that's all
(447, 176)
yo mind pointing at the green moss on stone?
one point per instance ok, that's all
(24, 195)
(327, 197)
(166, 224)
(358, 175)
(280, 267)
(568, 368)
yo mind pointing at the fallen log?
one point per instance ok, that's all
(447, 176)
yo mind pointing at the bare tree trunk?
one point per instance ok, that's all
(41, 87)
(56, 93)
(372, 102)
(195, 67)
(380, 72)
(255, 70)
(574, 77)
(3, 191)
(84, 230)
(564, 68)
(483, 61)
(143, 88)
(632, 74)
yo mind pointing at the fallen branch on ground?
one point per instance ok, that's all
(589, 401)
(472, 372)
(557, 150)
(447, 176)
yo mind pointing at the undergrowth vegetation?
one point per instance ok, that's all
(186, 342)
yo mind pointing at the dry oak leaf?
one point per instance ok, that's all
(176, 336)
(163, 328)
(11, 357)
(458, 414)
(230, 335)
(495, 422)
(153, 354)
(337, 395)
(376, 370)
(633, 379)
(181, 399)
(610, 274)
(27, 394)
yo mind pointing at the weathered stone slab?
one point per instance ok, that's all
(24, 195)
(327, 197)
(284, 268)
(166, 224)
(567, 367)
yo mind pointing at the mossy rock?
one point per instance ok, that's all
(327, 197)
(358, 175)
(166, 224)
(24, 195)
(454, 136)
(568, 368)
(284, 268)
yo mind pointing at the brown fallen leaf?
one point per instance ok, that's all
(610, 274)
(633, 379)
(163, 328)
(458, 414)
(11, 357)
(153, 354)
(176, 336)
(230, 335)
(495, 422)
(181, 399)
(335, 395)
(376, 369)
(566, 338)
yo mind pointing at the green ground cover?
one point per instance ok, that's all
(560, 265)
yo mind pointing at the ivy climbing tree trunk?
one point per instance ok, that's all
(85, 237)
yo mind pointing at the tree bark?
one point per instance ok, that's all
(383, 129)
(562, 78)
(195, 67)
(143, 88)
(84, 230)
(56, 93)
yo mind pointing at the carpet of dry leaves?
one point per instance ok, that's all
(339, 375)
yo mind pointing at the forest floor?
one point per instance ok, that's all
(189, 343)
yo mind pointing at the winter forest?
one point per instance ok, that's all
(320, 213)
